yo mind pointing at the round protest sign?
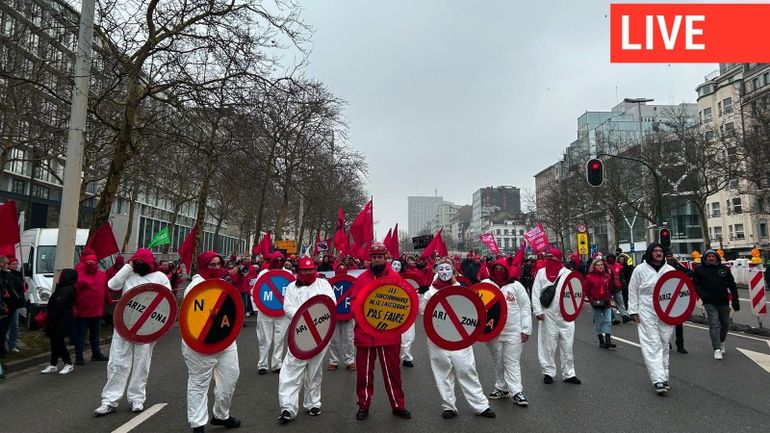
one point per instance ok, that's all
(342, 285)
(495, 307)
(413, 278)
(211, 316)
(312, 327)
(464, 281)
(386, 307)
(454, 318)
(571, 296)
(674, 297)
(145, 313)
(268, 291)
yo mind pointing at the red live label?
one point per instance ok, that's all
(689, 33)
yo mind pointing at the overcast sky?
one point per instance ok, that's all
(453, 96)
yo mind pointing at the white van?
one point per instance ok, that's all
(38, 253)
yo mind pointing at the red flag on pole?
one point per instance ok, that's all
(9, 235)
(103, 242)
(394, 246)
(264, 245)
(340, 236)
(436, 244)
(386, 242)
(491, 243)
(362, 227)
(187, 248)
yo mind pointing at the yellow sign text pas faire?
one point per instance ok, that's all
(387, 307)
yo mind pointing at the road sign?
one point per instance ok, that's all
(342, 285)
(495, 307)
(211, 316)
(312, 327)
(464, 281)
(582, 241)
(145, 313)
(289, 246)
(674, 297)
(268, 291)
(757, 294)
(581, 228)
(571, 296)
(594, 249)
(454, 318)
(387, 307)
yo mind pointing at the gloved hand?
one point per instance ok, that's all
(736, 305)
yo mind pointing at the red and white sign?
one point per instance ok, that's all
(537, 238)
(581, 228)
(674, 297)
(454, 318)
(386, 307)
(757, 294)
(269, 289)
(495, 307)
(464, 281)
(211, 316)
(145, 313)
(413, 278)
(571, 296)
(490, 241)
(312, 327)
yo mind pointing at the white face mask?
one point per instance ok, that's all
(445, 272)
(396, 265)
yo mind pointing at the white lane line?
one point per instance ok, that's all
(749, 300)
(705, 328)
(142, 417)
(760, 358)
(627, 341)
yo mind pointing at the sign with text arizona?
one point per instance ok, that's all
(386, 307)
(689, 33)
(145, 313)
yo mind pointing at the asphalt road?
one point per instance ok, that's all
(616, 395)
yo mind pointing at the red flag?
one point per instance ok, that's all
(394, 246)
(491, 243)
(315, 245)
(362, 251)
(187, 248)
(103, 242)
(362, 227)
(8, 250)
(340, 236)
(436, 244)
(386, 242)
(264, 246)
(9, 225)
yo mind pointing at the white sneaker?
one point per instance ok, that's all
(50, 369)
(137, 407)
(67, 369)
(717, 354)
(104, 409)
(722, 348)
(15, 350)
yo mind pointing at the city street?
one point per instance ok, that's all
(616, 394)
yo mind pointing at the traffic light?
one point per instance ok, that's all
(664, 235)
(595, 172)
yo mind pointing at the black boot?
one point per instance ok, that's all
(608, 339)
(602, 344)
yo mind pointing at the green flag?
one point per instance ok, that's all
(160, 238)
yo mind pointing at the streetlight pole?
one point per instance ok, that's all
(658, 193)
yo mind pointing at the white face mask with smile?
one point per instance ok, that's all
(396, 265)
(445, 272)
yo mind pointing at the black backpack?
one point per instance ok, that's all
(548, 293)
(13, 294)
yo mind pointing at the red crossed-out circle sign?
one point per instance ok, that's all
(413, 278)
(571, 296)
(268, 291)
(211, 316)
(342, 285)
(674, 297)
(495, 307)
(145, 313)
(454, 318)
(464, 281)
(386, 307)
(312, 327)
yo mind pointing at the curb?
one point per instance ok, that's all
(23, 364)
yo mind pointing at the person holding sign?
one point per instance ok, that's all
(451, 365)
(222, 366)
(654, 334)
(369, 347)
(713, 281)
(295, 372)
(552, 329)
(271, 331)
(127, 357)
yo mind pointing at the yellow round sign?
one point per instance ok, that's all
(388, 307)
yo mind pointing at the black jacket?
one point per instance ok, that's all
(61, 320)
(470, 270)
(713, 282)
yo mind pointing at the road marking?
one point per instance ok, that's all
(705, 328)
(627, 341)
(142, 417)
(760, 358)
(749, 300)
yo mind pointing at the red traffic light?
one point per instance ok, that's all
(595, 172)
(664, 235)
(596, 166)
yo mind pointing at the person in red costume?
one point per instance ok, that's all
(369, 347)
(241, 276)
(92, 295)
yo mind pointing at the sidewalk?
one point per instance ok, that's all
(41, 358)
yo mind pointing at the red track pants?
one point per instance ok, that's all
(391, 374)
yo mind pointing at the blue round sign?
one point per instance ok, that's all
(268, 291)
(342, 285)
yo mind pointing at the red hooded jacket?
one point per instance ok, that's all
(91, 290)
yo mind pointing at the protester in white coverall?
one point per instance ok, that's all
(341, 347)
(552, 329)
(222, 366)
(296, 372)
(271, 331)
(448, 365)
(654, 334)
(126, 357)
(498, 277)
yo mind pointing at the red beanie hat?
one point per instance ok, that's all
(205, 257)
(144, 255)
(88, 254)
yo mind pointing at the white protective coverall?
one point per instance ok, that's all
(407, 338)
(553, 330)
(271, 331)
(448, 365)
(654, 334)
(341, 347)
(509, 341)
(295, 372)
(127, 357)
(223, 366)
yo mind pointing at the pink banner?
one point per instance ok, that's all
(537, 238)
(491, 243)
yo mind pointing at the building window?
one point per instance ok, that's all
(707, 114)
(715, 211)
(505, 232)
(739, 232)
(717, 232)
(497, 232)
(40, 191)
(737, 208)
(733, 184)
(762, 230)
(730, 229)
(719, 109)
(17, 186)
(755, 83)
(727, 105)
